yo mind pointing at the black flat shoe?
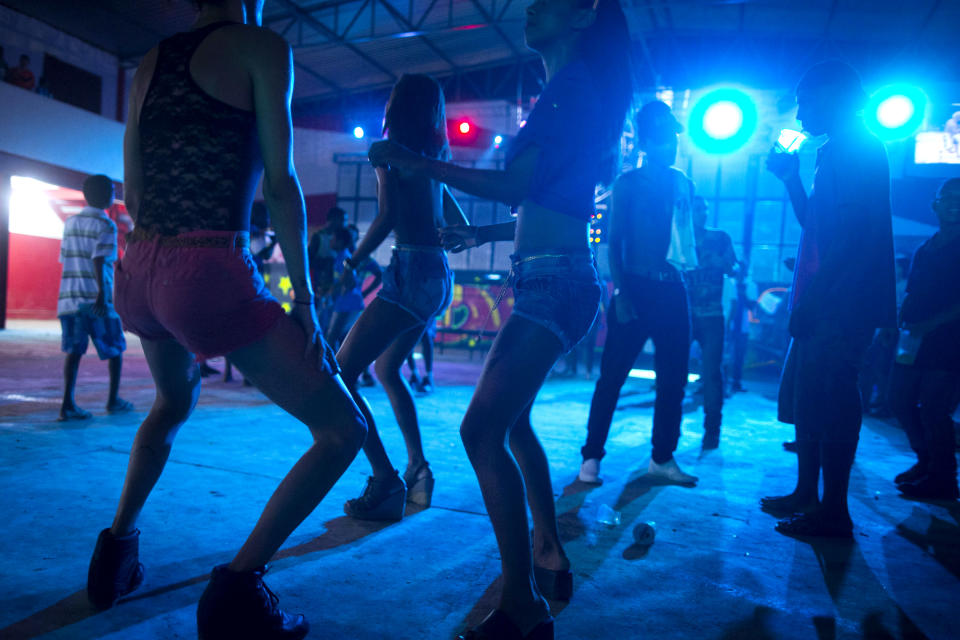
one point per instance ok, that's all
(499, 626)
(554, 585)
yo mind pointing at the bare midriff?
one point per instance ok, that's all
(542, 230)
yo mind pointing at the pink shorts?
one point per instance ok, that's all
(210, 299)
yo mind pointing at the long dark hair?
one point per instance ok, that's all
(605, 47)
(416, 116)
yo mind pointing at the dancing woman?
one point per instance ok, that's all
(210, 112)
(416, 286)
(569, 144)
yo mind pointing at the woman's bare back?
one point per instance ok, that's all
(417, 205)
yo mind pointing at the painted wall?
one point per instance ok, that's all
(33, 276)
(49, 131)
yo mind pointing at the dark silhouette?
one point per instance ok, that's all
(844, 289)
(925, 384)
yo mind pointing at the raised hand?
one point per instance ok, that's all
(783, 165)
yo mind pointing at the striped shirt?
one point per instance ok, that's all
(87, 235)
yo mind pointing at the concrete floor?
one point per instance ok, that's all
(717, 569)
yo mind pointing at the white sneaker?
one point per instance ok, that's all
(590, 471)
(671, 472)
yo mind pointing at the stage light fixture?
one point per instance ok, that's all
(722, 121)
(498, 140)
(895, 112)
(358, 133)
(464, 127)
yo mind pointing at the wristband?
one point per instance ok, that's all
(310, 301)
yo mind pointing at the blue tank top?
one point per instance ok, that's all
(200, 156)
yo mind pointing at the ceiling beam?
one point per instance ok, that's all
(315, 24)
(406, 24)
(310, 72)
(496, 27)
(531, 63)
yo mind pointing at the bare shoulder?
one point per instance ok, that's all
(141, 83)
(259, 45)
(146, 67)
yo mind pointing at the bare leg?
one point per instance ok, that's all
(519, 360)
(71, 366)
(547, 549)
(388, 372)
(177, 380)
(426, 346)
(375, 330)
(276, 365)
(115, 366)
(340, 323)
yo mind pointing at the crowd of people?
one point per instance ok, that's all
(191, 262)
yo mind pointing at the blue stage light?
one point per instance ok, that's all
(498, 140)
(896, 111)
(358, 133)
(723, 121)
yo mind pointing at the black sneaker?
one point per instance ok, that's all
(240, 606)
(115, 569)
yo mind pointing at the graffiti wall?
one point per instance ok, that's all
(475, 316)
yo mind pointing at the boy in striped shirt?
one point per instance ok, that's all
(85, 307)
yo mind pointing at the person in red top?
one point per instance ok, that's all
(21, 75)
(844, 289)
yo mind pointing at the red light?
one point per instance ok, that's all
(464, 128)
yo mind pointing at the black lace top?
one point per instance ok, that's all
(200, 156)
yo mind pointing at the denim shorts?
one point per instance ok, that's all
(560, 292)
(82, 327)
(418, 281)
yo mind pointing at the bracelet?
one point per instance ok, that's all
(348, 264)
(311, 301)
